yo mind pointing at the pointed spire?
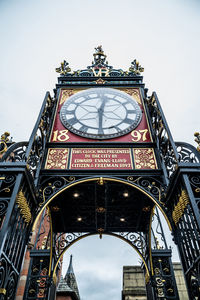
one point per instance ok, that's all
(70, 268)
(71, 279)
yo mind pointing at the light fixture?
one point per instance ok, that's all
(76, 195)
(125, 194)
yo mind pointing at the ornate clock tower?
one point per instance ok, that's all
(100, 160)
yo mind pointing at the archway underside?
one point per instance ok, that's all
(101, 205)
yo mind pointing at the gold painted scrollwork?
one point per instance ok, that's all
(69, 179)
(23, 205)
(160, 292)
(159, 281)
(2, 291)
(180, 206)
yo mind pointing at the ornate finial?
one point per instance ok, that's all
(4, 137)
(100, 68)
(197, 134)
(157, 243)
(135, 68)
(3, 142)
(99, 50)
(64, 68)
(99, 57)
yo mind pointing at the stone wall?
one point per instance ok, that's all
(180, 281)
(133, 283)
(134, 286)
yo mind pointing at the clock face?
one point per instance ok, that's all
(100, 113)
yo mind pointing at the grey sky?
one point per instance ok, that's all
(37, 35)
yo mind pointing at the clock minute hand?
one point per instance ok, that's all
(100, 114)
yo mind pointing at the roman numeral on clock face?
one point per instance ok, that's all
(72, 121)
(128, 121)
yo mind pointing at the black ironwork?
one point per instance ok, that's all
(100, 68)
(172, 153)
(163, 279)
(32, 152)
(158, 240)
(163, 137)
(26, 191)
(187, 153)
(38, 283)
(17, 205)
(162, 284)
(183, 203)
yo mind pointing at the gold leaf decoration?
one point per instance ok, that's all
(24, 207)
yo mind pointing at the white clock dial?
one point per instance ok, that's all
(100, 113)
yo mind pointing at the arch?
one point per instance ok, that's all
(147, 276)
(101, 181)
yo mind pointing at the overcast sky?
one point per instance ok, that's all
(37, 35)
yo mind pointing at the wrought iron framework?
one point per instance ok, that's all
(28, 193)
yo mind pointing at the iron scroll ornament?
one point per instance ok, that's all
(101, 113)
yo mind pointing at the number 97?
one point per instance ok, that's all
(139, 135)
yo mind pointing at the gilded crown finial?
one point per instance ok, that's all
(99, 50)
(99, 57)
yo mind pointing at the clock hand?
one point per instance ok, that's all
(100, 114)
